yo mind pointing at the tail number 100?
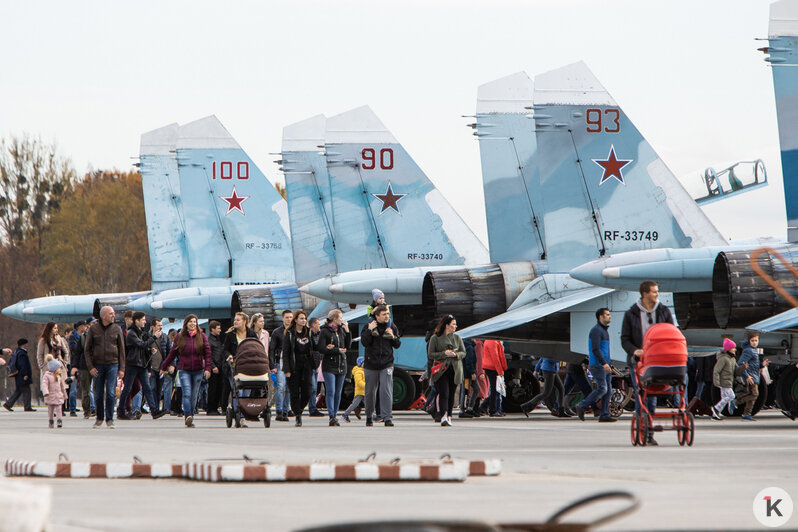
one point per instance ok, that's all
(371, 158)
(225, 170)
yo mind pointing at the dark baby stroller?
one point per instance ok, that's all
(661, 372)
(249, 384)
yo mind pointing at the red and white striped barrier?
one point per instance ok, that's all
(17, 468)
(439, 471)
(363, 471)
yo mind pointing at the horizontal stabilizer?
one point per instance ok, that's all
(352, 315)
(532, 312)
(786, 320)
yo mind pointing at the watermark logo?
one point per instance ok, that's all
(772, 507)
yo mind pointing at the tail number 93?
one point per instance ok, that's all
(608, 121)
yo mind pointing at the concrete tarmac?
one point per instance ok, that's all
(547, 463)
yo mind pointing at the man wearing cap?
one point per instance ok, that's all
(23, 377)
(78, 369)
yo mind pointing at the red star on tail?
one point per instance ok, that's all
(234, 202)
(612, 167)
(389, 199)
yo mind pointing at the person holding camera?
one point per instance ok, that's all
(138, 347)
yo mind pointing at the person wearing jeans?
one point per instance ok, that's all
(193, 352)
(334, 340)
(105, 359)
(599, 366)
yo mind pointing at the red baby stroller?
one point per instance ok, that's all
(661, 372)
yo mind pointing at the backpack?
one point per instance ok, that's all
(11, 367)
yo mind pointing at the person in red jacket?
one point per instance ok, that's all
(494, 363)
(193, 352)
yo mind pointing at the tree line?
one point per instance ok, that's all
(65, 233)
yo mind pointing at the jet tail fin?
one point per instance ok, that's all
(604, 188)
(307, 188)
(507, 147)
(248, 217)
(782, 53)
(385, 211)
(165, 225)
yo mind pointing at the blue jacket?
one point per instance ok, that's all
(599, 345)
(547, 364)
(751, 356)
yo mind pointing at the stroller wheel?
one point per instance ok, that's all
(267, 417)
(229, 416)
(689, 428)
(238, 419)
(644, 429)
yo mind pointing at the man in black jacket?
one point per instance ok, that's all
(138, 349)
(22, 378)
(275, 355)
(78, 371)
(641, 315)
(217, 362)
(379, 340)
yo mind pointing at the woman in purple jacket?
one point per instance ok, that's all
(193, 354)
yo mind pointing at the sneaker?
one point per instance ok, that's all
(378, 419)
(369, 423)
(97, 424)
(732, 406)
(109, 423)
(580, 413)
(159, 414)
(445, 422)
(465, 415)
(317, 413)
(50, 423)
(86, 416)
(716, 414)
(8, 407)
(748, 418)
(73, 414)
(388, 423)
(357, 411)
(124, 417)
(288, 414)
(333, 422)
(298, 422)
(651, 441)
(59, 424)
(137, 415)
(789, 414)
(31, 410)
(189, 422)
(345, 417)
(607, 420)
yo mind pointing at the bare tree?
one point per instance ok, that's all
(33, 181)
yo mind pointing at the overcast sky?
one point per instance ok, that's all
(94, 75)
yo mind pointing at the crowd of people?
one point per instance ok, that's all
(132, 367)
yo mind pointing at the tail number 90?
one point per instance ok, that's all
(371, 158)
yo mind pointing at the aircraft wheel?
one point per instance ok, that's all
(404, 389)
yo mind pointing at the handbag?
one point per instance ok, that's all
(436, 367)
(501, 389)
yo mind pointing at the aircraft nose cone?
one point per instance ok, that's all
(590, 272)
(319, 288)
(13, 311)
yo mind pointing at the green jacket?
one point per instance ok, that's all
(726, 369)
(436, 352)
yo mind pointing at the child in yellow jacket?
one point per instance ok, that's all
(360, 390)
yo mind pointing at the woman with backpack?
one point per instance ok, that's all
(193, 352)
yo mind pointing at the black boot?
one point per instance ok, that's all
(528, 407)
(298, 422)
